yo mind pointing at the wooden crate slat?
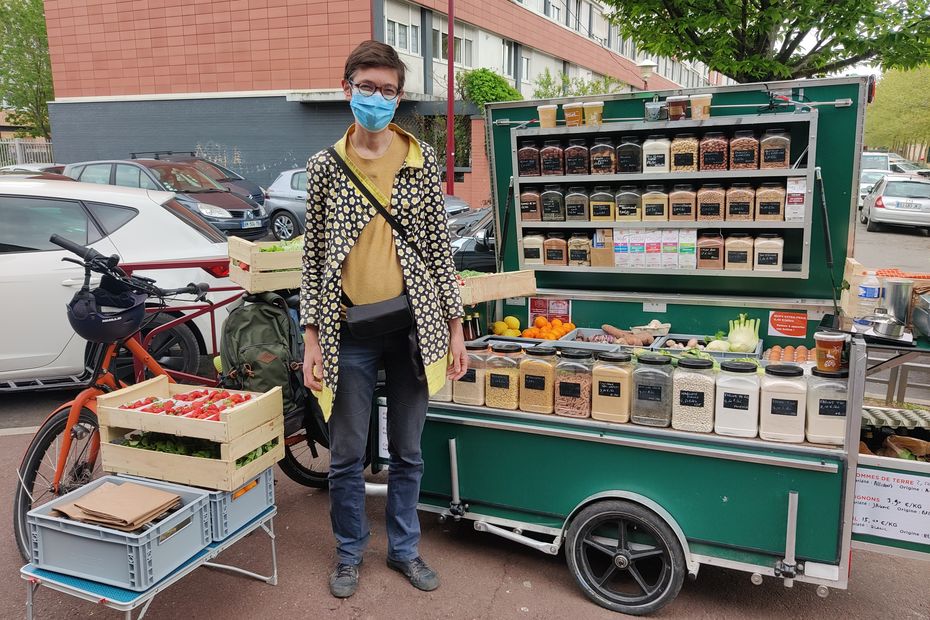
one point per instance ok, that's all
(498, 286)
(260, 282)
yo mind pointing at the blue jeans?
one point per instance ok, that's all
(407, 398)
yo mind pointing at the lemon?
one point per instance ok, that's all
(499, 328)
(512, 322)
(218, 363)
(513, 333)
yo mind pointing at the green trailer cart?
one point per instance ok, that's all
(636, 508)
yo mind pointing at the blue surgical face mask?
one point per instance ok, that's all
(374, 112)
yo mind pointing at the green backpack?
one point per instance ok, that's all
(262, 348)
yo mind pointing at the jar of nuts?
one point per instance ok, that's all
(740, 200)
(502, 377)
(552, 158)
(713, 151)
(770, 202)
(744, 150)
(603, 156)
(776, 149)
(576, 157)
(710, 202)
(682, 203)
(685, 153)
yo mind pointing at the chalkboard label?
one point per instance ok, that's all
(767, 258)
(738, 258)
(773, 155)
(500, 381)
(578, 255)
(654, 210)
(468, 377)
(610, 389)
(831, 407)
(529, 206)
(552, 206)
(655, 160)
(529, 166)
(570, 390)
(602, 209)
(712, 158)
(626, 210)
(744, 157)
(736, 401)
(602, 164)
(652, 393)
(576, 164)
(687, 398)
(627, 162)
(684, 160)
(682, 209)
(576, 210)
(784, 406)
(534, 382)
(555, 255)
(710, 254)
(740, 208)
(531, 253)
(551, 164)
(769, 208)
(710, 209)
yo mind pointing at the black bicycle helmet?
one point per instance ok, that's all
(92, 323)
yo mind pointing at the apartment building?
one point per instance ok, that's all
(255, 83)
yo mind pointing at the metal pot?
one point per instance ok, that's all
(888, 327)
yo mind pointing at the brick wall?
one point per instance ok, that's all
(476, 188)
(132, 47)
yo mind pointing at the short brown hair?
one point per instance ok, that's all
(370, 54)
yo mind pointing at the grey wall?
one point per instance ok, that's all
(258, 137)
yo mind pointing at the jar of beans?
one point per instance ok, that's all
(710, 202)
(528, 159)
(693, 396)
(629, 204)
(502, 380)
(576, 157)
(776, 149)
(770, 202)
(537, 380)
(577, 205)
(740, 200)
(630, 155)
(552, 158)
(685, 153)
(603, 156)
(573, 384)
(682, 204)
(744, 150)
(713, 151)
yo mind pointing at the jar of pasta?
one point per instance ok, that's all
(655, 204)
(770, 202)
(684, 153)
(469, 390)
(603, 205)
(740, 200)
(573, 384)
(603, 156)
(537, 379)
(502, 377)
(682, 203)
(629, 204)
(710, 202)
(744, 150)
(576, 157)
(579, 250)
(576, 205)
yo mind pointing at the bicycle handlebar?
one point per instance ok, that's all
(88, 254)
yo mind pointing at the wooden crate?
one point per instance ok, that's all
(498, 286)
(262, 408)
(264, 272)
(854, 274)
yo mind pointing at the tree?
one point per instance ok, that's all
(25, 69)
(763, 40)
(548, 86)
(900, 114)
(481, 86)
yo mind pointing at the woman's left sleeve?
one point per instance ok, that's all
(437, 250)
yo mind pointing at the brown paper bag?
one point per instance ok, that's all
(909, 448)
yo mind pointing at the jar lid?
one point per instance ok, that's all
(476, 346)
(541, 351)
(553, 143)
(684, 187)
(828, 374)
(604, 140)
(656, 136)
(552, 188)
(578, 142)
(629, 188)
(677, 98)
(784, 370)
(655, 188)
(556, 235)
(739, 367)
(530, 144)
(614, 356)
(652, 359)
(633, 139)
(744, 133)
(773, 184)
(529, 190)
(739, 236)
(769, 236)
(576, 354)
(696, 363)
(577, 189)
(506, 348)
(714, 134)
(712, 186)
(775, 130)
(581, 235)
(684, 136)
(741, 186)
(602, 188)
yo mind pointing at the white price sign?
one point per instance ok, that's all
(892, 505)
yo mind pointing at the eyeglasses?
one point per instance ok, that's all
(368, 89)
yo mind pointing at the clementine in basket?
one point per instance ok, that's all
(541, 322)
(556, 322)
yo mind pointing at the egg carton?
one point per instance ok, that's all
(896, 418)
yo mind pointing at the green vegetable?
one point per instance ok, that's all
(470, 273)
(718, 345)
(744, 335)
(293, 245)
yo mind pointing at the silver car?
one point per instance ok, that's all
(867, 180)
(899, 200)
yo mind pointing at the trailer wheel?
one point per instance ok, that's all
(625, 557)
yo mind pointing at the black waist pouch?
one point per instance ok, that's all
(373, 320)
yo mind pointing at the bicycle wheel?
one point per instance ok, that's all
(301, 465)
(34, 483)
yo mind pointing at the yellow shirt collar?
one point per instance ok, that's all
(414, 157)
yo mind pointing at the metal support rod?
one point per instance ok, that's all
(454, 468)
(450, 103)
(791, 536)
(550, 548)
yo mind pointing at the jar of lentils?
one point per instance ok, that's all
(537, 380)
(710, 202)
(502, 377)
(693, 396)
(740, 200)
(682, 203)
(744, 150)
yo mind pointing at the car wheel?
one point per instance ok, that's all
(862, 218)
(873, 226)
(284, 225)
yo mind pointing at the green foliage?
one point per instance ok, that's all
(432, 130)
(25, 69)
(900, 113)
(481, 86)
(764, 40)
(548, 86)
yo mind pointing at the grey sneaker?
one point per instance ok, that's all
(343, 582)
(421, 576)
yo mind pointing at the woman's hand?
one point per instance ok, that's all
(458, 364)
(313, 360)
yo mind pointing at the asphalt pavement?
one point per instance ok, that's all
(908, 249)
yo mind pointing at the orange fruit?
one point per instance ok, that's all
(570, 326)
(541, 322)
(557, 322)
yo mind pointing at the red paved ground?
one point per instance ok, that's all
(483, 577)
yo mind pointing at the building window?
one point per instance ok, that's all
(525, 70)
(392, 33)
(414, 39)
(440, 45)
(402, 36)
(552, 11)
(441, 48)
(576, 16)
(469, 59)
(508, 59)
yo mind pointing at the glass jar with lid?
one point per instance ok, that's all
(776, 149)
(577, 207)
(783, 405)
(555, 249)
(530, 205)
(769, 249)
(629, 204)
(652, 391)
(537, 379)
(553, 204)
(469, 390)
(740, 200)
(552, 158)
(693, 396)
(603, 156)
(677, 107)
(739, 254)
(744, 150)
(770, 202)
(656, 151)
(629, 155)
(573, 384)
(576, 157)
(603, 204)
(827, 395)
(710, 250)
(682, 203)
(736, 410)
(710, 202)
(713, 151)
(502, 376)
(612, 386)
(684, 153)
(655, 204)
(528, 159)
(533, 248)
(579, 250)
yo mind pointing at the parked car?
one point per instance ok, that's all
(39, 167)
(476, 251)
(39, 347)
(230, 179)
(900, 200)
(875, 160)
(466, 224)
(230, 213)
(455, 205)
(867, 180)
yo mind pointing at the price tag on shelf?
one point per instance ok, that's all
(788, 324)
(892, 505)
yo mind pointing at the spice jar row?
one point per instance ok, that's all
(656, 154)
(781, 405)
(681, 202)
(740, 252)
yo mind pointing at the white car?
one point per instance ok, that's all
(867, 180)
(39, 347)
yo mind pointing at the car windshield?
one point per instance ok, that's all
(908, 189)
(182, 178)
(908, 166)
(870, 178)
(875, 161)
(213, 171)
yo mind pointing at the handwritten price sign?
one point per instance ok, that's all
(892, 505)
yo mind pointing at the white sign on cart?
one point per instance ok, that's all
(892, 505)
